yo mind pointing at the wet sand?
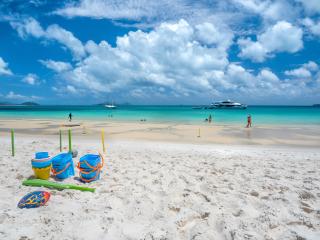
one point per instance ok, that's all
(202, 133)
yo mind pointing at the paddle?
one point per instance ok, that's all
(60, 186)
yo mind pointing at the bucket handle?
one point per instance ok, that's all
(97, 169)
(89, 180)
(54, 173)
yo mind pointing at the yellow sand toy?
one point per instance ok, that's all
(42, 173)
(41, 165)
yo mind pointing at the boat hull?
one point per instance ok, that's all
(227, 107)
(110, 107)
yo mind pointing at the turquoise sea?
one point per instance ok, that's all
(282, 115)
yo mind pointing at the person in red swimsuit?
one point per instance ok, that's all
(249, 121)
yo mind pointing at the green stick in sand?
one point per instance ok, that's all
(59, 186)
(70, 144)
(102, 140)
(12, 142)
(60, 133)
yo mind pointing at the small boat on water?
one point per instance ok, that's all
(227, 104)
(110, 106)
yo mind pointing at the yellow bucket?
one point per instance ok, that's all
(42, 173)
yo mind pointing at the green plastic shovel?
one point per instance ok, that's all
(59, 186)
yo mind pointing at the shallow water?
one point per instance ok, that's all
(282, 115)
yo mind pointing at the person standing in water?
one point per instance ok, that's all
(249, 121)
(210, 118)
(70, 117)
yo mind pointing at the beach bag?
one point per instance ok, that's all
(62, 166)
(41, 165)
(90, 166)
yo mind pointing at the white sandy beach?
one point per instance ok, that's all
(157, 190)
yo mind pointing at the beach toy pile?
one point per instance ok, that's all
(90, 166)
(62, 166)
(41, 165)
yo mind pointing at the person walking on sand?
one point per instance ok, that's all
(210, 118)
(70, 117)
(249, 121)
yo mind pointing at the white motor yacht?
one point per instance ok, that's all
(228, 104)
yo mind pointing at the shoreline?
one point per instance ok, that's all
(186, 122)
(138, 121)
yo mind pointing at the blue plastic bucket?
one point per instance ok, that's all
(41, 160)
(90, 160)
(90, 166)
(62, 166)
(90, 177)
(40, 155)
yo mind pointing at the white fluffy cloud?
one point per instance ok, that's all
(145, 11)
(128, 9)
(66, 90)
(313, 27)
(175, 59)
(31, 27)
(252, 50)
(299, 72)
(269, 10)
(18, 97)
(305, 71)
(210, 34)
(242, 81)
(4, 70)
(178, 57)
(311, 66)
(282, 37)
(56, 66)
(28, 27)
(31, 79)
(311, 6)
(306, 78)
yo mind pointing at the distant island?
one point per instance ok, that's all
(19, 104)
(5, 104)
(30, 104)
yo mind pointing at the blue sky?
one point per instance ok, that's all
(160, 52)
